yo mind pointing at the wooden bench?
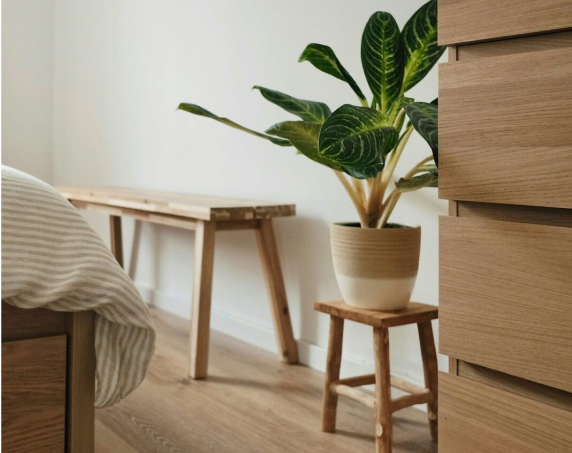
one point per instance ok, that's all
(205, 215)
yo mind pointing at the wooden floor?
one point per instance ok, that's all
(250, 403)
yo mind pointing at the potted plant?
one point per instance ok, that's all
(376, 265)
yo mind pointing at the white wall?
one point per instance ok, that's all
(121, 69)
(27, 89)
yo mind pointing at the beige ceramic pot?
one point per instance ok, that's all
(376, 268)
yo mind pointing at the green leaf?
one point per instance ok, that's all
(314, 112)
(357, 137)
(382, 59)
(418, 182)
(425, 121)
(420, 44)
(304, 137)
(324, 58)
(196, 110)
(365, 172)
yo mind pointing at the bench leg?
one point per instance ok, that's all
(330, 403)
(383, 420)
(430, 371)
(276, 291)
(202, 290)
(116, 238)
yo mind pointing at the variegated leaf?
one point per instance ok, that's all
(311, 111)
(425, 119)
(420, 44)
(304, 137)
(324, 58)
(418, 182)
(356, 137)
(196, 110)
(382, 60)
(370, 171)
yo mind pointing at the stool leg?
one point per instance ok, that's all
(330, 404)
(383, 421)
(430, 371)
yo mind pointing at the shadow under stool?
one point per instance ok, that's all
(382, 404)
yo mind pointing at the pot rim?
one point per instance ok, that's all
(354, 224)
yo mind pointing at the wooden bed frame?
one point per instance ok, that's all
(48, 381)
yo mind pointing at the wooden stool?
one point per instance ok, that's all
(382, 404)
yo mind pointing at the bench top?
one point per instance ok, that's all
(414, 313)
(201, 207)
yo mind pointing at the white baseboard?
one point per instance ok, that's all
(263, 337)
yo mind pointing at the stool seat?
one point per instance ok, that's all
(382, 403)
(414, 313)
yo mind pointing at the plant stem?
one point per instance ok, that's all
(353, 196)
(394, 158)
(372, 208)
(416, 167)
(393, 198)
(359, 189)
(398, 119)
(388, 207)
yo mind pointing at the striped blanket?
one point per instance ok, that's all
(52, 259)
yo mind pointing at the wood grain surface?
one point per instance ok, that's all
(513, 213)
(476, 418)
(506, 139)
(531, 390)
(251, 403)
(537, 43)
(415, 312)
(200, 207)
(20, 324)
(34, 395)
(80, 412)
(462, 21)
(505, 293)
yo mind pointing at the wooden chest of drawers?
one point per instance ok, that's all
(505, 143)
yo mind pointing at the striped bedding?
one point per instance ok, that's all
(52, 259)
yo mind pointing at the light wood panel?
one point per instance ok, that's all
(414, 312)
(34, 395)
(519, 214)
(462, 21)
(536, 43)
(528, 389)
(506, 138)
(200, 207)
(476, 418)
(505, 297)
(251, 403)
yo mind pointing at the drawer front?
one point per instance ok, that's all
(506, 297)
(462, 21)
(34, 395)
(475, 418)
(505, 132)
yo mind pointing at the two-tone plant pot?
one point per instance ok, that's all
(376, 268)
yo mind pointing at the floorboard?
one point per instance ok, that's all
(250, 403)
